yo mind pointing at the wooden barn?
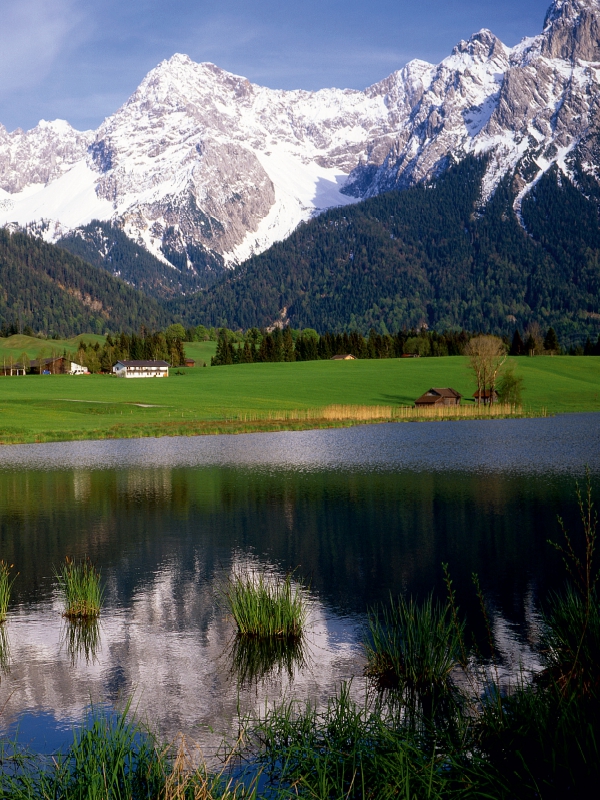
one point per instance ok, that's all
(486, 396)
(439, 397)
(57, 365)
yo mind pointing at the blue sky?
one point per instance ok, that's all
(80, 59)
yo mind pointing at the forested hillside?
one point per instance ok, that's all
(105, 245)
(48, 289)
(430, 255)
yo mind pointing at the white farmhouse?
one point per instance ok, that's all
(78, 369)
(141, 369)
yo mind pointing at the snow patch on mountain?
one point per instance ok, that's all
(65, 203)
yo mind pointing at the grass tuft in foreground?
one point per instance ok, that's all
(81, 589)
(113, 758)
(266, 607)
(6, 584)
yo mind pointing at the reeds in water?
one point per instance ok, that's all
(80, 585)
(266, 607)
(6, 583)
(413, 647)
(114, 758)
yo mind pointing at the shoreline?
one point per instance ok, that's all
(170, 429)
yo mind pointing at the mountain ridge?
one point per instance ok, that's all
(203, 168)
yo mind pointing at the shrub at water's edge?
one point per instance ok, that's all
(266, 607)
(81, 589)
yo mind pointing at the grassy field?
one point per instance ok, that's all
(19, 343)
(198, 400)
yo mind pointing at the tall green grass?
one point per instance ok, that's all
(79, 584)
(114, 758)
(266, 606)
(6, 584)
(413, 647)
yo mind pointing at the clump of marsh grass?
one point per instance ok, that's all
(81, 589)
(6, 584)
(412, 647)
(264, 607)
(349, 750)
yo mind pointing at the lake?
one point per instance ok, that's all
(357, 513)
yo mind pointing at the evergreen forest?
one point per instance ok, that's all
(433, 255)
(105, 245)
(45, 288)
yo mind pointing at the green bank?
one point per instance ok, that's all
(214, 400)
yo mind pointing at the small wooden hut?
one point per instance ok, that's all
(439, 397)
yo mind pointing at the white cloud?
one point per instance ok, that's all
(33, 34)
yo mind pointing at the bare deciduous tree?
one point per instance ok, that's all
(486, 356)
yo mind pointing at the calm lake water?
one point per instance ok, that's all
(358, 513)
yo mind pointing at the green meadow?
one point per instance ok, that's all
(216, 400)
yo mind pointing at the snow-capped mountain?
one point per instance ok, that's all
(204, 164)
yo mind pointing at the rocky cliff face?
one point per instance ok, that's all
(202, 165)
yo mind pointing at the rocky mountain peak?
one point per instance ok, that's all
(200, 164)
(572, 30)
(481, 47)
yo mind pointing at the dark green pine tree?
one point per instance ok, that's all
(517, 347)
(597, 347)
(247, 354)
(551, 341)
(530, 345)
(588, 350)
(288, 346)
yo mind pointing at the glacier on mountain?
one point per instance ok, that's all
(204, 163)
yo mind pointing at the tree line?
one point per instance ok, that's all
(159, 346)
(288, 344)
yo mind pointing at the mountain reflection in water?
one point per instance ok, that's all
(169, 521)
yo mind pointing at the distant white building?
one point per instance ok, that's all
(141, 369)
(77, 369)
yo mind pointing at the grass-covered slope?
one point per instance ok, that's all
(50, 290)
(428, 255)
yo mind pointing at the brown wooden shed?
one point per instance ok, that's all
(439, 397)
(486, 396)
